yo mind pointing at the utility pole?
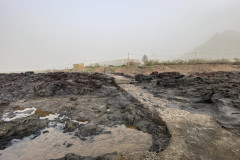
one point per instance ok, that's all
(195, 55)
(128, 59)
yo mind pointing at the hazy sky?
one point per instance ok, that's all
(42, 34)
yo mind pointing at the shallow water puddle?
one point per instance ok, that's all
(56, 144)
(50, 117)
(25, 112)
(18, 114)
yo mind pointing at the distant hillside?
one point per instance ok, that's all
(221, 45)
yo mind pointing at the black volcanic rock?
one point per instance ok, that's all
(215, 93)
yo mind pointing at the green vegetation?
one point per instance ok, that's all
(189, 62)
(151, 63)
(91, 69)
(145, 59)
(113, 68)
(131, 63)
(236, 61)
(96, 65)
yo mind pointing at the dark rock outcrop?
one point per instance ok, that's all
(84, 102)
(72, 156)
(19, 129)
(215, 93)
(143, 78)
(26, 85)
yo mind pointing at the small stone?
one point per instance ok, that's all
(73, 98)
(4, 102)
(69, 144)
(45, 132)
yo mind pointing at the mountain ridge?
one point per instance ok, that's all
(220, 45)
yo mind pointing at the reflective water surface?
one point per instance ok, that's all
(53, 143)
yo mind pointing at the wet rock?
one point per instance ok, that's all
(101, 103)
(88, 130)
(143, 78)
(28, 73)
(236, 103)
(4, 102)
(44, 132)
(97, 83)
(173, 75)
(67, 144)
(72, 156)
(142, 125)
(206, 97)
(115, 103)
(216, 93)
(47, 89)
(15, 87)
(70, 126)
(73, 98)
(137, 115)
(19, 129)
(125, 75)
(154, 73)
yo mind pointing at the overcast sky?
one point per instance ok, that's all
(42, 34)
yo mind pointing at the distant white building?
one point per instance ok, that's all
(118, 62)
